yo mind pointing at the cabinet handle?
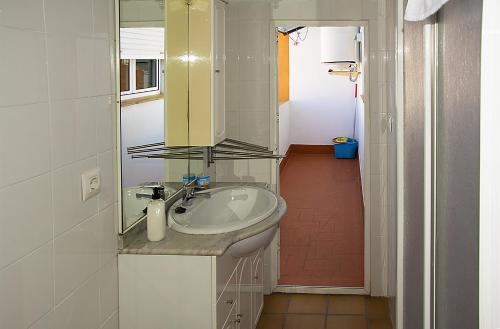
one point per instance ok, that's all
(237, 321)
(229, 301)
(256, 277)
(239, 315)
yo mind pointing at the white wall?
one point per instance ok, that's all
(284, 128)
(322, 105)
(142, 124)
(58, 264)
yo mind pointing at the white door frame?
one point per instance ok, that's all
(489, 229)
(274, 132)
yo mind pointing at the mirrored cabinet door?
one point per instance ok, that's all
(202, 67)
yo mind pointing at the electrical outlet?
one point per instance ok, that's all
(91, 183)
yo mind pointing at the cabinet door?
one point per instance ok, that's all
(257, 289)
(244, 315)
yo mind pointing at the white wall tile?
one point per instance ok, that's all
(102, 67)
(295, 9)
(26, 288)
(106, 117)
(233, 124)
(46, 322)
(38, 202)
(81, 309)
(24, 14)
(108, 290)
(254, 96)
(370, 9)
(69, 17)
(255, 10)
(233, 95)
(256, 34)
(76, 255)
(74, 130)
(232, 66)
(254, 66)
(107, 164)
(108, 235)
(21, 203)
(347, 9)
(112, 322)
(69, 209)
(103, 18)
(71, 66)
(24, 142)
(254, 127)
(23, 67)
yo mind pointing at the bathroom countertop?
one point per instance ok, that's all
(176, 243)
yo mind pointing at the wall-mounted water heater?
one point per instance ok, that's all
(340, 47)
(339, 44)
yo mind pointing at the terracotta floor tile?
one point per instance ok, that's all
(380, 324)
(324, 218)
(304, 303)
(346, 322)
(346, 304)
(276, 303)
(377, 308)
(304, 321)
(271, 321)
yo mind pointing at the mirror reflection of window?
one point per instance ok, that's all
(146, 74)
(141, 61)
(124, 75)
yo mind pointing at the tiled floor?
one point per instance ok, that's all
(322, 233)
(300, 311)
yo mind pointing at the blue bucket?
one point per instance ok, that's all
(347, 150)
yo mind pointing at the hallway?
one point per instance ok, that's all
(322, 233)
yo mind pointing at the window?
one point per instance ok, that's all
(138, 76)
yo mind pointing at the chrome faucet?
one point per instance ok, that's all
(191, 192)
(156, 189)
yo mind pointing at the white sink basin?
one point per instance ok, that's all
(133, 207)
(228, 209)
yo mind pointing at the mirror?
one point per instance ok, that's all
(144, 92)
(173, 91)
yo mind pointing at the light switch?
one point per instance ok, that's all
(91, 183)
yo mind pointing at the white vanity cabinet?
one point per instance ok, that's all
(190, 292)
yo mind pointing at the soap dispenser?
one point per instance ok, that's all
(156, 219)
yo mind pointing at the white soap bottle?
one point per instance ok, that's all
(156, 218)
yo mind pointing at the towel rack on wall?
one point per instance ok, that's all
(228, 149)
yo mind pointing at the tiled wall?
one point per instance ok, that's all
(249, 97)
(57, 254)
(247, 86)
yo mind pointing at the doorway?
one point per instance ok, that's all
(324, 236)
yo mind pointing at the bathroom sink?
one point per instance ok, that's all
(133, 207)
(227, 209)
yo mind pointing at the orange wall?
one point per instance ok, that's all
(283, 68)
